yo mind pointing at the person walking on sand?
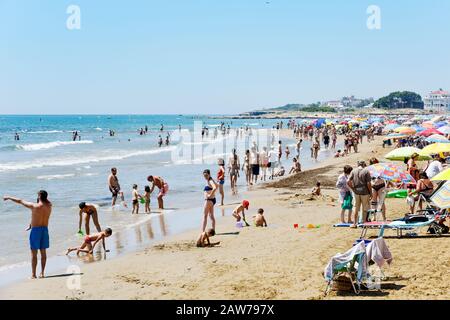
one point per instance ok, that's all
(210, 200)
(162, 186)
(360, 182)
(221, 179)
(114, 188)
(233, 170)
(88, 211)
(39, 238)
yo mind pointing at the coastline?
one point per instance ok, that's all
(278, 262)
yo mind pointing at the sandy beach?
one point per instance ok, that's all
(278, 262)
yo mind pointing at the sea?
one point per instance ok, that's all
(46, 157)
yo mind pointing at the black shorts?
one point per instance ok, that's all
(255, 169)
(114, 191)
(135, 202)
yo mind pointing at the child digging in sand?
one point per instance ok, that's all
(259, 219)
(87, 246)
(316, 191)
(203, 240)
(241, 210)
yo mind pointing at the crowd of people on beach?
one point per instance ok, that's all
(360, 193)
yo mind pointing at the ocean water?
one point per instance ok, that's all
(75, 171)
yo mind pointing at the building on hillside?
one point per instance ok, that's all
(437, 101)
(334, 104)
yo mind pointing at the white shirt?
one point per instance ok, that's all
(434, 169)
(273, 156)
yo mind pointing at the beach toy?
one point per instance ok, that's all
(397, 194)
(296, 226)
(142, 200)
(80, 233)
(310, 226)
(239, 224)
(318, 226)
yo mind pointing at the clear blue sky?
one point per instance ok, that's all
(212, 56)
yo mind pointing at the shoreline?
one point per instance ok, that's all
(278, 262)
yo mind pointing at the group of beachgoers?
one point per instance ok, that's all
(258, 164)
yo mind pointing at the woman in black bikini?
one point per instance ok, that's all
(424, 187)
(210, 200)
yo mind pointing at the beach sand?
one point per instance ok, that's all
(278, 262)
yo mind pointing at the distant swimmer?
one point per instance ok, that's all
(16, 137)
(114, 187)
(162, 186)
(39, 238)
(88, 211)
(160, 141)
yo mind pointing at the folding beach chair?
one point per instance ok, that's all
(352, 264)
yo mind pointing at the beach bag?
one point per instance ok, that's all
(348, 202)
(342, 284)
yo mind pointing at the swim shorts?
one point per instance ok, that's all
(163, 191)
(39, 238)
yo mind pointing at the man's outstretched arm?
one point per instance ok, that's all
(26, 204)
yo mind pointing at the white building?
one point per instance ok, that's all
(437, 101)
(335, 104)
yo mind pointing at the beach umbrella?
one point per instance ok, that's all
(444, 130)
(401, 154)
(405, 130)
(391, 126)
(390, 172)
(396, 136)
(428, 124)
(441, 198)
(418, 128)
(436, 148)
(435, 138)
(443, 176)
(440, 124)
(429, 132)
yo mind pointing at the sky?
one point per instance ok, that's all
(214, 56)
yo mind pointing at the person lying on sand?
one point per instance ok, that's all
(259, 219)
(87, 246)
(203, 239)
(241, 209)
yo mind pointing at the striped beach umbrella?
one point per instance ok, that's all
(441, 198)
(390, 172)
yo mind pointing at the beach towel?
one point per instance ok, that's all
(342, 258)
(378, 252)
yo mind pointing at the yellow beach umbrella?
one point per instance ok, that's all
(436, 148)
(443, 176)
(401, 154)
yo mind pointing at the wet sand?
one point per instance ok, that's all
(278, 262)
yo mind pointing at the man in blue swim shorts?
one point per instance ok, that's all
(39, 238)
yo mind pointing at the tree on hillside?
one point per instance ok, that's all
(400, 100)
